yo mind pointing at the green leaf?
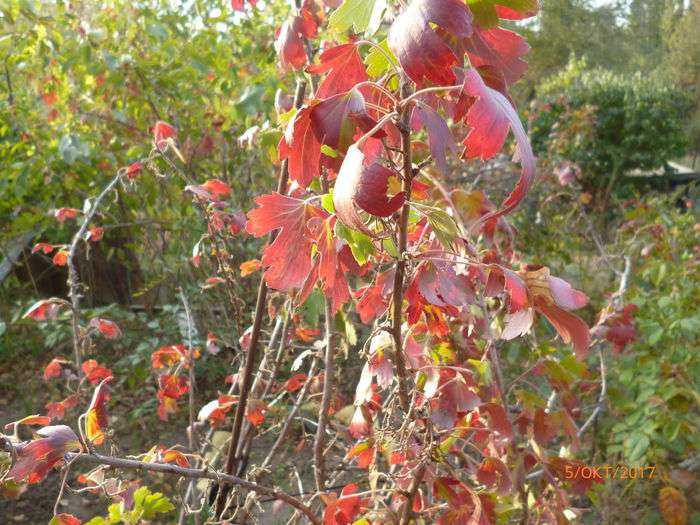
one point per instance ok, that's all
(362, 16)
(443, 225)
(360, 244)
(636, 446)
(379, 62)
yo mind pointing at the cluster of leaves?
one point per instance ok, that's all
(657, 387)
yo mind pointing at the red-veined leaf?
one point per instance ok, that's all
(288, 258)
(343, 67)
(35, 458)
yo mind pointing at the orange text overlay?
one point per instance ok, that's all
(609, 472)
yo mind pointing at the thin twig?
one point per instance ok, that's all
(168, 468)
(73, 279)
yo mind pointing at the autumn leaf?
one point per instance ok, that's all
(424, 55)
(34, 459)
(134, 169)
(162, 132)
(249, 267)
(95, 234)
(62, 214)
(343, 67)
(290, 41)
(332, 122)
(500, 49)
(53, 369)
(60, 258)
(287, 260)
(213, 189)
(43, 247)
(96, 415)
(95, 372)
(106, 327)
(30, 420)
(44, 310)
(364, 187)
(343, 510)
(490, 117)
(64, 519)
(440, 137)
(174, 456)
(295, 383)
(363, 452)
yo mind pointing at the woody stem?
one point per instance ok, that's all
(251, 355)
(405, 128)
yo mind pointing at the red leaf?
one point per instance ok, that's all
(490, 117)
(290, 42)
(134, 170)
(498, 419)
(295, 382)
(499, 48)
(60, 258)
(213, 189)
(365, 187)
(95, 372)
(34, 459)
(106, 327)
(58, 410)
(543, 429)
(255, 412)
(167, 356)
(344, 68)
(63, 214)
(237, 5)
(64, 519)
(332, 122)
(30, 420)
(44, 247)
(288, 258)
(174, 456)
(363, 452)
(95, 234)
(421, 51)
(162, 131)
(570, 327)
(53, 369)
(44, 310)
(494, 472)
(96, 416)
(302, 148)
(440, 137)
